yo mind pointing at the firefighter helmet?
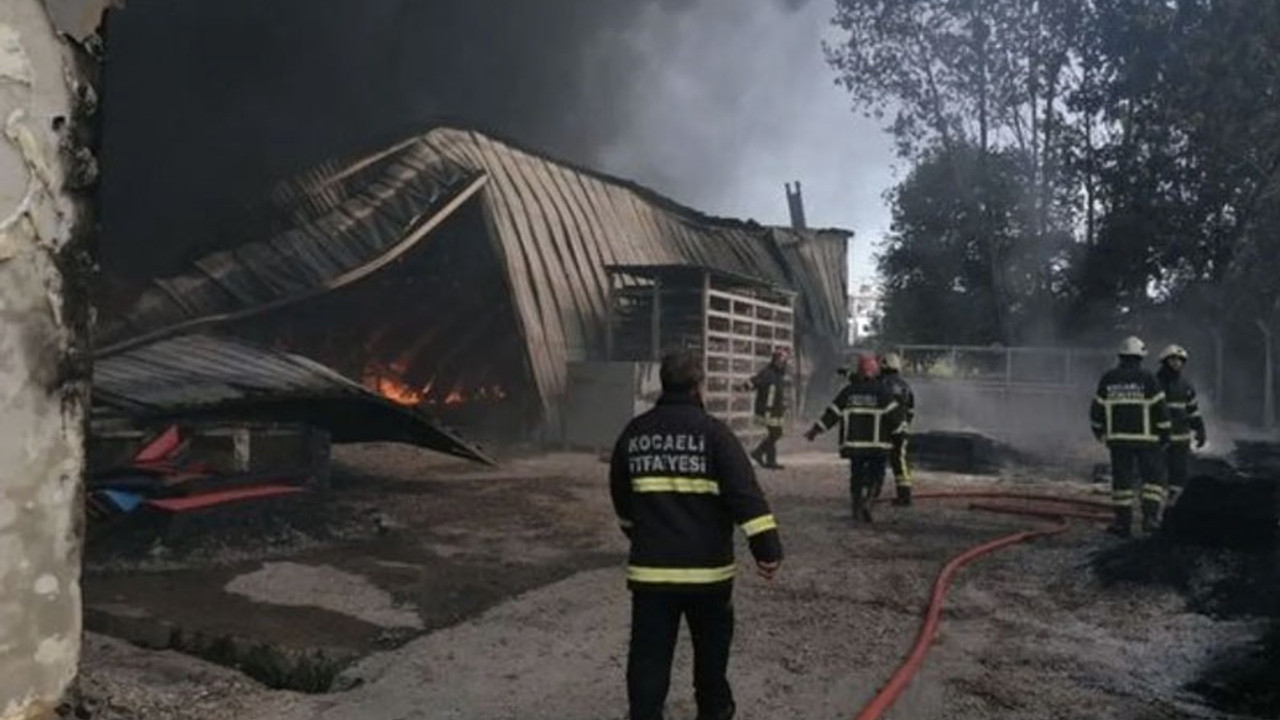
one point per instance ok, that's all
(1132, 347)
(891, 361)
(1173, 351)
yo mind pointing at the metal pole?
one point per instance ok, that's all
(706, 329)
(612, 317)
(1268, 380)
(656, 320)
(1219, 375)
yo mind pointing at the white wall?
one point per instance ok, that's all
(41, 414)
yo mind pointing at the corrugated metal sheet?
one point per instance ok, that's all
(338, 235)
(555, 227)
(199, 377)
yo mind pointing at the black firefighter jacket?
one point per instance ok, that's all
(1129, 408)
(770, 385)
(901, 390)
(868, 414)
(680, 482)
(1184, 409)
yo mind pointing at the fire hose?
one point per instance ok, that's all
(1066, 508)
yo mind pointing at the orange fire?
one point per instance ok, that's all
(387, 381)
(396, 391)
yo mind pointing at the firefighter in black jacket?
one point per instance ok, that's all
(680, 482)
(770, 407)
(1129, 414)
(868, 416)
(891, 371)
(1184, 416)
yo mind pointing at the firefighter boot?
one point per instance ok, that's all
(1150, 516)
(726, 714)
(861, 507)
(904, 496)
(1123, 525)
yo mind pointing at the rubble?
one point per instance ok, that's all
(515, 574)
(961, 452)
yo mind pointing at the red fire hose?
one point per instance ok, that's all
(1076, 508)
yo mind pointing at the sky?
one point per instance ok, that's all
(762, 101)
(715, 103)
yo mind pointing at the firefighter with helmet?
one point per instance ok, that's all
(891, 372)
(1184, 416)
(1129, 414)
(770, 386)
(868, 416)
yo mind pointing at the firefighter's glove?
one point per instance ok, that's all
(811, 434)
(1200, 439)
(767, 570)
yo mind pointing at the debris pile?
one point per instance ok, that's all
(960, 452)
(163, 489)
(1234, 504)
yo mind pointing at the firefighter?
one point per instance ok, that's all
(891, 371)
(868, 416)
(680, 481)
(1184, 416)
(770, 407)
(1129, 414)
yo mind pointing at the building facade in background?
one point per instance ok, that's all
(865, 309)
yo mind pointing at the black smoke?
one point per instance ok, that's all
(208, 103)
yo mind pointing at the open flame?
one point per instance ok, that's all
(396, 391)
(387, 381)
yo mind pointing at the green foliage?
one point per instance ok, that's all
(1131, 146)
(964, 262)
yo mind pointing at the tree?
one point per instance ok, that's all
(1186, 92)
(958, 214)
(987, 75)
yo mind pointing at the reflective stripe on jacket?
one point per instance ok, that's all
(680, 482)
(868, 416)
(1184, 409)
(770, 385)
(1129, 407)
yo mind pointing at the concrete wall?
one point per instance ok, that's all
(42, 381)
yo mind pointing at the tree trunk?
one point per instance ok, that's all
(44, 375)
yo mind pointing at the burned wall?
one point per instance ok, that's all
(436, 329)
(43, 380)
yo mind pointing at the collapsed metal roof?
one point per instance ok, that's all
(192, 378)
(555, 228)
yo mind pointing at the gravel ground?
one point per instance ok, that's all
(1029, 632)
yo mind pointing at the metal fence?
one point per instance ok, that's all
(1034, 398)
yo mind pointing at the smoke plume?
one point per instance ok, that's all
(208, 103)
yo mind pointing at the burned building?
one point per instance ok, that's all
(463, 274)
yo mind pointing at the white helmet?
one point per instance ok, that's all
(1173, 351)
(891, 361)
(1132, 347)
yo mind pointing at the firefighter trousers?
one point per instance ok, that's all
(866, 477)
(655, 626)
(1134, 467)
(1177, 462)
(767, 451)
(898, 459)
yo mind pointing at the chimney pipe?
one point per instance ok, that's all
(796, 203)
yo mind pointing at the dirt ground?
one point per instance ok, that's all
(488, 594)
